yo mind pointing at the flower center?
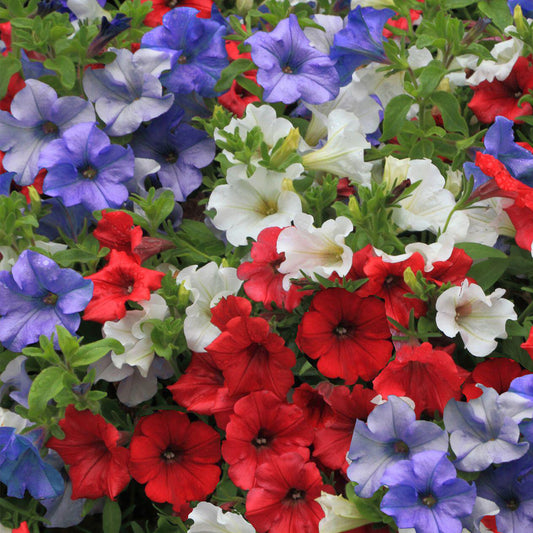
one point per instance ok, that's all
(171, 156)
(390, 281)
(287, 69)
(295, 494)
(401, 447)
(89, 172)
(261, 439)
(50, 299)
(170, 455)
(182, 59)
(343, 330)
(518, 95)
(512, 504)
(49, 127)
(172, 3)
(429, 500)
(463, 311)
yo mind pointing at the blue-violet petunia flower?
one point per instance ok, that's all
(36, 296)
(198, 52)
(37, 118)
(127, 91)
(21, 468)
(425, 494)
(85, 168)
(391, 434)
(289, 68)
(360, 42)
(180, 150)
(108, 31)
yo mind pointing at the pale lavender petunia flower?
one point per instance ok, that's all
(37, 118)
(127, 91)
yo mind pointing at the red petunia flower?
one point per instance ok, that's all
(252, 358)
(262, 280)
(161, 7)
(496, 373)
(452, 270)
(98, 466)
(176, 458)
(23, 528)
(313, 403)
(501, 97)
(228, 308)
(122, 279)
(262, 427)
(386, 281)
(283, 499)
(201, 389)
(116, 231)
(332, 442)
(428, 376)
(349, 335)
(401, 22)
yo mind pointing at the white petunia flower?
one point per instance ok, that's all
(429, 205)
(209, 518)
(87, 9)
(323, 40)
(207, 286)
(313, 250)
(478, 318)
(245, 206)
(12, 420)
(340, 514)
(343, 153)
(8, 257)
(134, 333)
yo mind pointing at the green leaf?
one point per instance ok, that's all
(456, 4)
(250, 86)
(65, 68)
(395, 114)
(487, 273)
(196, 243)
(450, 111)
(112, 517)
(480, 251)
(231, 72)
(9, 65)
(45, 386)
(498, 11)
(430, 77)
(68, 344)
(423, 148)
(89, 353)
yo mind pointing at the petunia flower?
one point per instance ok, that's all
(115, 230)
(209, 518)
(22, 469)
(283, 499)
(38, 295)
(289, 68)
(360, 42)
(426, 494)
(428, 376)
(85, 168)
(37, 117)
(127, 91)
(122, 279)
(108, 31)
(478, 318)
(481, 433)
(176, 458)
(179, 149)
(162, 7)
(196, 45)
(348, 335)
(98, 465)
(262, 427)
(246, 206)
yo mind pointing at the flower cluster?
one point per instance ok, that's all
(266, 266)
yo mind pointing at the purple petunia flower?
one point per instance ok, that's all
(85, 168)
(21, 468)
(108, 31)
(510, 486)
(127, 91)
(180, 150)
(289, 68)
(37, 118)
(499, 142)
(196, 47)
(425, 494)
(360, 42)
(36, 296)
(391, 434)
